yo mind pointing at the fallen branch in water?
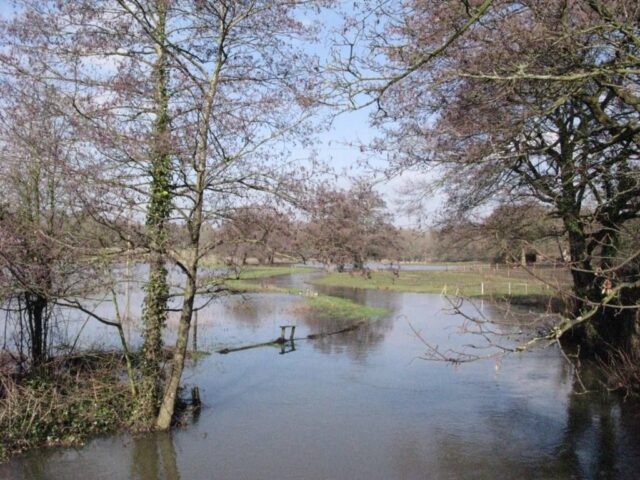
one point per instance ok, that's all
(351, 328)
(280, 340)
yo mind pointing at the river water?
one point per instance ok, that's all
(363, 405)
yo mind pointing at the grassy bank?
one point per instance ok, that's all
(65, 403)
(328, 307)
(322, 306)
(451, 282)
(248, 279)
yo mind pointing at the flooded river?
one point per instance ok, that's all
(362, 405)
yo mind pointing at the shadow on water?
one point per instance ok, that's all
(600, 437)
(154, 458)
(360, 405)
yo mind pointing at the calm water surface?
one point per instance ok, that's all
(363, 406)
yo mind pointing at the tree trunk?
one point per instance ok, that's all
(195, 222)
(157, 289)
(154, 319)
(610, 329)
(167, 407)
(36, 306)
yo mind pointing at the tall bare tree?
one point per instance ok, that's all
(182, 108)
(531, 101)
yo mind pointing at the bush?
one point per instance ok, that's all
(623, 372)
(64, 403)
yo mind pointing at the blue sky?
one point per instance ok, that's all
(339, 146)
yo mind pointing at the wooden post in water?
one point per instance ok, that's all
(195, 331)
(283, 331)
(195, 397)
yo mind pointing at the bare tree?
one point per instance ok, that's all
(258, 231)
(181, 108)
(524, 101)
(350, 227)
(38, 252)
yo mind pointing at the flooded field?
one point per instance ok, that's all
(362, 405)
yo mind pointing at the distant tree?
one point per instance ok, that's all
(261, 232)
(350, 227)
(516, 230)
(462, 241)
(416, 244)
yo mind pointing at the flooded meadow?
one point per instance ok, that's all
(359, 405)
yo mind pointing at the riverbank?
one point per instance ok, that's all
(75, 398)
(256, 280)
(476, 283)
(65, 402)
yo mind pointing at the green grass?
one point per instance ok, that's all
(450, 282)
(327, 307)
(324, 306)
(255, 273)
(248, 276)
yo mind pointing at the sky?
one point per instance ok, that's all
(339, 145)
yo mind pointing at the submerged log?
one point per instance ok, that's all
(350, 328)
(281, 340)
(224, 351)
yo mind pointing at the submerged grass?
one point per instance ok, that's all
(328, 307)
(323, 306)
(246, 280)
(451, 282)
(254, 273)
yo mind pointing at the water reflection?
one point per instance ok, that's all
(358, 344)
(245, 310)
(287, 347)
(149, 457)
(360, 405)
(154, 458)
(601, 434)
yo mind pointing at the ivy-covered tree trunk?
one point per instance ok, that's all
(609, 329)
(195, 223)
(157, 288)
(194, 226)
(167, 407)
